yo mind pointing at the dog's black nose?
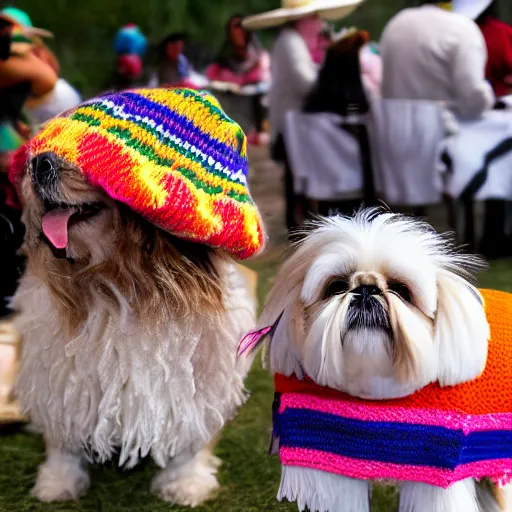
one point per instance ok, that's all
(45, 170)
(366, 290)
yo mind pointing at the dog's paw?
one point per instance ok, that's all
(210, 460)
(190, 489)
(61, 478)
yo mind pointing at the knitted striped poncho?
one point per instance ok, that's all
(437, 436)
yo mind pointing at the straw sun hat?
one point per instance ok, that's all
(295, 9)
(471, 8)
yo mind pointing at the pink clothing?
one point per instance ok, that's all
(310, 30)
(258, 74)
(371, 70)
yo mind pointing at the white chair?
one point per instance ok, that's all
(324, 158)
(406, 137)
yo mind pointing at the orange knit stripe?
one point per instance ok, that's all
(492, 391)
(488, 394)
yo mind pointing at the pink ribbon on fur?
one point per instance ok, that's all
(252, 340)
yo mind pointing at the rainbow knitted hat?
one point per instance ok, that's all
(171, 155)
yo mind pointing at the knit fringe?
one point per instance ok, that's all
(318, 491)
(420, 497)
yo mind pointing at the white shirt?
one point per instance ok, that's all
(432, 54)
(293, 75)
(61, 98)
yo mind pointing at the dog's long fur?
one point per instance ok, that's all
(129, 345)
(422, 322)
(441, 335)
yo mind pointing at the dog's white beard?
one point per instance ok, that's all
(369, 369)
(119, 387)
(323, 353)
(360, 361)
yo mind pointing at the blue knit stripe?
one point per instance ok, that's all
(487, 445)
(389, 442)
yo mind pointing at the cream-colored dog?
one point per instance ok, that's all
(129, 340)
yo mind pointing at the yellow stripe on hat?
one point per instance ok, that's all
(162, 150)
(62, 136)
(198, 113)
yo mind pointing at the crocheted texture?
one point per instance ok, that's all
(437, 436)
(171, 155)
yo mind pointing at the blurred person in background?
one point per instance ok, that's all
(130, 45)
(243, 62)
(495, 242)
(321, 45)
(23, 76)
(498, 38)
(339, 88)
(174, 68)
(61, 98)
(371, 68)
(38, 107)
(294, 73)
(242, 59)
(429, 53)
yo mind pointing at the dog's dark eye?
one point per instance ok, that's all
(401, 290)
(336, 288)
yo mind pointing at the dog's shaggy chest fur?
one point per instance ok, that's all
(117, 386)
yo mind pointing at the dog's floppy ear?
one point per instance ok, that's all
(281, 354)
(461, 330)
(285, 312)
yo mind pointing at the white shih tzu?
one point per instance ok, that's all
(372, 308)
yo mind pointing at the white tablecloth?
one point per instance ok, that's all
(481, 159)
(405, 140)
(325, 159)
(409, 147)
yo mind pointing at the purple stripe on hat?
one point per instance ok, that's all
(177, 125)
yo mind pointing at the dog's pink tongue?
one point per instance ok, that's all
(55, 226)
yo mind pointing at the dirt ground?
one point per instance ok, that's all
(266, 185)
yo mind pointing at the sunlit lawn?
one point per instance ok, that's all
(249, 476)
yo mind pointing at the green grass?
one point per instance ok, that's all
(249, 476)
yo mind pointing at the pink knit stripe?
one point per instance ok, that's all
(498, 470)
(365, 412)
